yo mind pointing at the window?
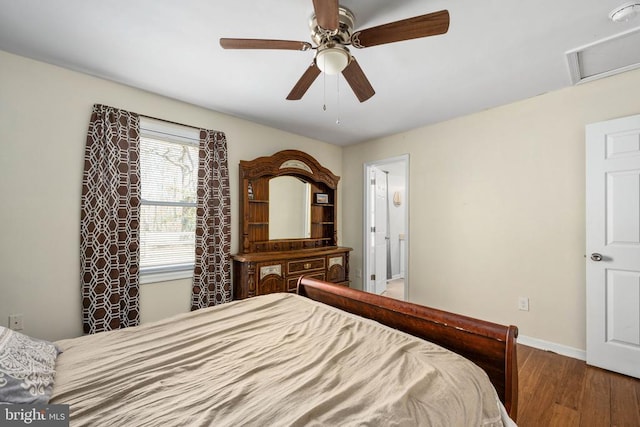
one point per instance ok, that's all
(169, 179)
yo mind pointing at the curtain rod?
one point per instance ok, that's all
(169, 121)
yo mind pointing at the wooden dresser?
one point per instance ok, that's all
(268, 272)
(285, 235)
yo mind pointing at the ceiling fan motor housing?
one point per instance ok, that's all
(342, 35)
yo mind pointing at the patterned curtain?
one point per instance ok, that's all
(212, 274)
(109, 229)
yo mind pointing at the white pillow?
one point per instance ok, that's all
(27, 368)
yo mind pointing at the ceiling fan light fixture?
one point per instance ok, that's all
(332, 60)
(625, 12)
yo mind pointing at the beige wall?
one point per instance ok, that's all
(497, 207)
(44, 113)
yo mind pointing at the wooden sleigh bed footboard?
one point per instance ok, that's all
(489, 345)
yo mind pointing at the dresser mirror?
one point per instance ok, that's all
(289, 208)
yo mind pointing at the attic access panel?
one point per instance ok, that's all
(605, 57)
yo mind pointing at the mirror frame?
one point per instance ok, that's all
(258, 172)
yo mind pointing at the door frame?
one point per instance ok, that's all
(367, 263)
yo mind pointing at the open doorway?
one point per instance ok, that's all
(386, 245)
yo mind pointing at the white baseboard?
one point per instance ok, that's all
(551, 346)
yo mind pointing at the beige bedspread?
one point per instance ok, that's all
(279, 359)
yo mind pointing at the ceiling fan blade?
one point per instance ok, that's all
(326, 13)
(264, 44)
(309, 76)
(359, 83)
(413, 28)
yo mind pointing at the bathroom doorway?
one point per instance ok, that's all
(386, 232)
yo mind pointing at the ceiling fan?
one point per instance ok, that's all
(332, 31)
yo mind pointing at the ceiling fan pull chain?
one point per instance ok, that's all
(324, 89)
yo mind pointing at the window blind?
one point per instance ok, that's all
(169, 178)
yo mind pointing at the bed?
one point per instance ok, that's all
(329, 355)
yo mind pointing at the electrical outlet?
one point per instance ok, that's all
(358, 273)
(16, 322)
(523, 303)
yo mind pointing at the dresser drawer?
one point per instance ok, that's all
(336, 269)
(265, 270)
(270, 278)
(292, 282)
(305, 265)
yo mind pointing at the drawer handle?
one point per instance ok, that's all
(307, 265)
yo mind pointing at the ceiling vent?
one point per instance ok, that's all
(605, 58)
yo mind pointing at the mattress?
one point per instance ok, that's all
(273, 360)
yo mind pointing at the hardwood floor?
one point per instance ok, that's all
(561, 391)
(395, 289)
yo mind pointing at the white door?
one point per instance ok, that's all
(613, 245)
(379, 232)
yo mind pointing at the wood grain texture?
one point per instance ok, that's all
(228, 43)
(248, 280)
(304, 83)
(557, 390)
(254, 212)
(326, 13)
(490, 345)
(359, 83)
(412, 28)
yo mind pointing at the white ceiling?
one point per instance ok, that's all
(496, 52)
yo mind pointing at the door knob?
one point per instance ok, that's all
(596, 257)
